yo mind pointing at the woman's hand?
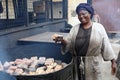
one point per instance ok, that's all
(57, 38)
(113, 66)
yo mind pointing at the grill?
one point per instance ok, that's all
(48, 50)
(64, 74)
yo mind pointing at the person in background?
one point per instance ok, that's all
(96, 17)
(89, 45)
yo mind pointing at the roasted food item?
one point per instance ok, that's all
(49, 61)
(49, 70)
(18, 61)
(34, 58)
(32, 66)
(6, 65)
(10, 71)
(32, 73)
(18, 71)
(42, 60)
(52, 65)
(58, 67)
(41, 70)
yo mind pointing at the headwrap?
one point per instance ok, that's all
(85, 6)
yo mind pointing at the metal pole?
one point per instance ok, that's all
(65, 8)
(27, 15)
(6, 9)
(51, 3)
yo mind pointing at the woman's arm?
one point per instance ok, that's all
(107, 51)
(113, 66)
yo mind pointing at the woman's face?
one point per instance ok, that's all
(84, 16)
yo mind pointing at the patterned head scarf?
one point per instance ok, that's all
(85, 6)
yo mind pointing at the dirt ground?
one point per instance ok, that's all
(107, 65)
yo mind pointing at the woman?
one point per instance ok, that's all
(89, 44)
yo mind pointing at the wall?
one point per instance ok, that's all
(72, 17)
(109, 14)
(57, 10)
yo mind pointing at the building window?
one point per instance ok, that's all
(9, 9)
(18, 13)
(57, 9)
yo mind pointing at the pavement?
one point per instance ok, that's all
(106, 66)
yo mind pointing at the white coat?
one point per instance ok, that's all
(99, 48)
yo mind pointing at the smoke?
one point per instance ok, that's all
(4, 55)
(117, 36)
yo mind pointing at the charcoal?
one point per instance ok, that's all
(42, 60)
(6, 65)
(40, 65)
(49, 61)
